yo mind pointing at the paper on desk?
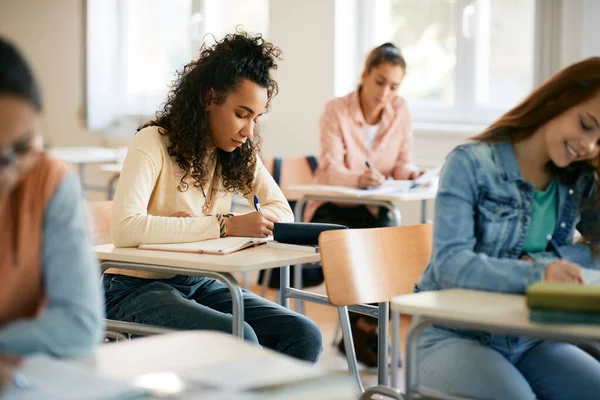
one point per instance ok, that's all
(51, 379)
(591, 276)
(249, 374)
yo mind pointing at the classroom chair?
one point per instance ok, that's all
(289, 171)
(364, 266)
(100, 216)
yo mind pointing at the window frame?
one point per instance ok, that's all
(548, 42)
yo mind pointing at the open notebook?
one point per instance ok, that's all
(590, 276)
(221, 246)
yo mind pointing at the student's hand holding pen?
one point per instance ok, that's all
(563, 271)
(370, 178)
(257, 224)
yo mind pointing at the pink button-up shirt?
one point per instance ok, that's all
(344, 149)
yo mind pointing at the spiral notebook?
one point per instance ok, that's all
(221, 246)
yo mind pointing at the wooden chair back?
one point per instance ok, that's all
(294, 171)
(373, 265)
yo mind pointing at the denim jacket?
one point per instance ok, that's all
(482, 213)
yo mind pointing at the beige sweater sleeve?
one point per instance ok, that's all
(131, 223)
(269, 194)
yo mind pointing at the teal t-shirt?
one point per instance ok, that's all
(543, 219)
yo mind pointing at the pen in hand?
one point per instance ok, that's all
(256, 203)
(554, 246)
(368, 165)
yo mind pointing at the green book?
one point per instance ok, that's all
(564, 296)
(564, 317)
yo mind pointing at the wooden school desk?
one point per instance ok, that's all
(389, 201)
(219, 267)
(207, 365)
(470, 309)
(81, 156)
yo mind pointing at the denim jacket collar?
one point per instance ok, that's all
(507, 162)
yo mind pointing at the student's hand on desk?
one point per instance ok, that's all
(371, 178)
(414, 175)
(257, 224)
(563, 271)
(183, 214)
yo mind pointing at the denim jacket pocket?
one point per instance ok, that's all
(498, 220)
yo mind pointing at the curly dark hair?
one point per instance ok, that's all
(184, 117)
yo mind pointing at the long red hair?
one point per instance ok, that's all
(571, 86)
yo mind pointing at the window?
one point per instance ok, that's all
(467, 60)
(132, 63)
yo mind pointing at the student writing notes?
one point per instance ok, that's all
(50, 299)
(177, 183)
(531, 174)
(366, 137)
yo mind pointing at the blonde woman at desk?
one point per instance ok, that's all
(177, 183)
(366, 137)
(533, 172)
(50, 299)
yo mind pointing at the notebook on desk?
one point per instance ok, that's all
(397, 186)
(220, 246)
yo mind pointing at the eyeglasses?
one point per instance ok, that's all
(19, 149)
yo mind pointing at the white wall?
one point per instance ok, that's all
(51, 34)
(305, 32)
(592, 33)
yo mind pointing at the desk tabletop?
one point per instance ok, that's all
(250, 259)
(479, 307)
(345, 193)
(84, 155)
(112, 168)
(204, 353)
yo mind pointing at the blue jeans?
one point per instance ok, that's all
(484, 366)
(187, 302)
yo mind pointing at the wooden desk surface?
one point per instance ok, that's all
(479, 307)
(251, 259)
(188, 352)
(84, 155)
(337, 192)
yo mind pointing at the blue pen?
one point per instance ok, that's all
(256, 203)
(554, 246)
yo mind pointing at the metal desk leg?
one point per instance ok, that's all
(237, 303)
(284, 284)
(298, 209)
(382, 345)
(423, 211)
(395, 348)
(298, 283)
(412, 362)
(396, 217)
